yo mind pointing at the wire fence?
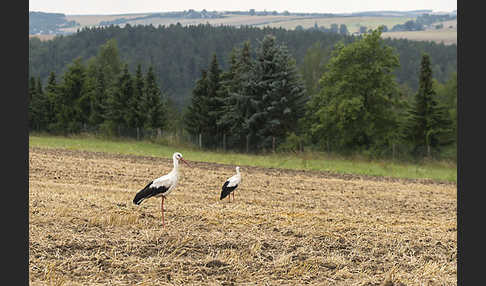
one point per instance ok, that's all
(249, 145)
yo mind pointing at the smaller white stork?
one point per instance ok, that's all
(161, 186)
(230, 185)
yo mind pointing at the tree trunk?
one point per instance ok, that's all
(224, 142)
(200, 141)
(138, 133)
(273, 144)
(247, 143)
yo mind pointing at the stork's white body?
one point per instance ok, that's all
(168, 181)
(231, 184)
(162, 186)
(234, 180)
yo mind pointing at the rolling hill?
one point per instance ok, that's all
(68, 24)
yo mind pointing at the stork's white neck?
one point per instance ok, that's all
(176, 164)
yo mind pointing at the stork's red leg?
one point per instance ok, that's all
(162, 208)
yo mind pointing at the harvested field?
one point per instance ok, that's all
(284, 228)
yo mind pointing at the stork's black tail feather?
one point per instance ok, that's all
(143, 194)
(226, 190)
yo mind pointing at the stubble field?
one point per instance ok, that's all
(284, 228)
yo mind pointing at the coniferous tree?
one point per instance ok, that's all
(238, 105)
(52, 94)
(108, 60)
(447, 94)
(215, 101)
(156, 105)
(195, 119)
(119, 110)
(429, 124)
(98, 95)
(278, 93)
(31, 94)
(102, 81)
(39, 107)
(137, 102)
(71, 90)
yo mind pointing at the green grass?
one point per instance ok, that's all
(437, 170)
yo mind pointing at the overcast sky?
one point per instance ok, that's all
(82, 7)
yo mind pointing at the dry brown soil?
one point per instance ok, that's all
(284, 227)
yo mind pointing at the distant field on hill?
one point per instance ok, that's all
(352, 23)
(43, 37)
(446, 35)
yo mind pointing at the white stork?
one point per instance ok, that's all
(230, 185)
(162, 186)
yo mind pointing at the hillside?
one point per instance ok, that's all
(41, 23)
(286, 20)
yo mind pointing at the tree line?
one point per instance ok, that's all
(178, 53)
(99, 95)
(343, 99)
(261, 103)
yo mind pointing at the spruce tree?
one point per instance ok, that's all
(155, 103)
(39, 107)
(278, 94)
(71, 90)
(119, 110)
(429, 125)
(103, 78)
(52, 94)
(195, 119)
(137, 102)
(215, 101)
(237, 105)
(31, 94)
(98, 94)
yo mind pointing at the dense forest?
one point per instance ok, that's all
(178, 53)
(343, 95)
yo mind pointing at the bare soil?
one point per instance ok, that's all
(284, 228)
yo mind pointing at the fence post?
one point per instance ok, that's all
(138, 133)
(200, 141)
(273, 144)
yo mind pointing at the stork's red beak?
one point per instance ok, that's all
(182, 159)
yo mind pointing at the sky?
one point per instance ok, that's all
(107, 7)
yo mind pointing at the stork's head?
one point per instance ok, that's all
(178, 157)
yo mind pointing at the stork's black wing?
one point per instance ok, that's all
(147, 192)
(226, 190)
